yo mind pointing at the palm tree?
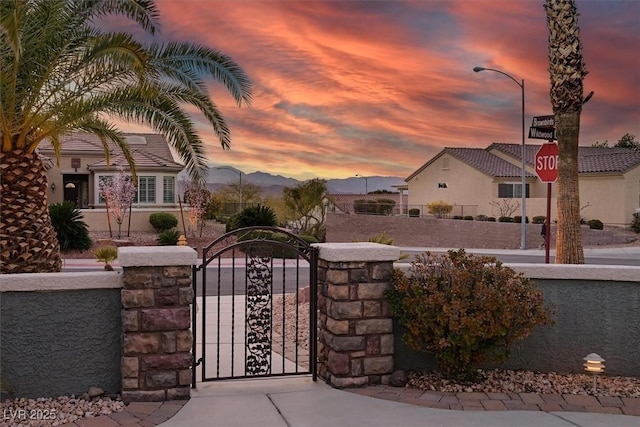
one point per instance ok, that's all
(567, 71)
(60, 73)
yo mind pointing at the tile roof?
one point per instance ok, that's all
(154, 154)
(489, 163)
(590, 159)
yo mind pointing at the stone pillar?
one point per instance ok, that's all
(355, 323)
(156, 320)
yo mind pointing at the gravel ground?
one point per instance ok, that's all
(56, 411)
(490, 381)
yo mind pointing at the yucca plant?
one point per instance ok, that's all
(168, 237)
(106, 254)
(72, 231)
(255, 216)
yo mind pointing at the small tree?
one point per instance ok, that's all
(307, 208)
(118, 192)
(439, 209)
(506, 207)
(197, 197)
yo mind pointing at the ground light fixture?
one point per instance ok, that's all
(594, 366)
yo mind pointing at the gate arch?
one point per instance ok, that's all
(247, 321)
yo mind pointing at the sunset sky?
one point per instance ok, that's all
(379, 87)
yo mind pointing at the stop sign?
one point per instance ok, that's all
(547, 162)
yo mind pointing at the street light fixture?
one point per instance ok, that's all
(523, 234)
(239, 172)
(366, 183)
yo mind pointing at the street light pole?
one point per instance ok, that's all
(239, 172)
(523, 228)
(366, 183)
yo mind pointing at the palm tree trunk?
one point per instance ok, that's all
(566, 71)
(569, 248)
(28, 241)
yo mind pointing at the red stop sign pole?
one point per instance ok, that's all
(547, 170)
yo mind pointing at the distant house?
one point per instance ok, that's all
(83, 165)
(476, 180)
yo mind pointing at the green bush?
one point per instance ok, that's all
(505, 219)
(466, 310)
(481, 218)
(468, 218)
(168, 237)
(635, 222)
(595, 224)
(518, 219)
(491, 218)
(162, 221)
(72, 231)
(457, 217)
(414, 212)
(253, 216)
(539, 219)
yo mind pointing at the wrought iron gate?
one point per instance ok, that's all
(247, 320)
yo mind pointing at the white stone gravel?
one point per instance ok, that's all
(55, 411)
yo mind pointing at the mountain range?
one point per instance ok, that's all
(220, 176)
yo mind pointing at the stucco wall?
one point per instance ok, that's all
(592, 316)
(430, 232)
(58, 338)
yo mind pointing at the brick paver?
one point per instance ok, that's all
(491, 401)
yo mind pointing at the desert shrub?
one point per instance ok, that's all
(168, 237)
(466, 310)
(414, 212)
(374, 207)
(161, 221)
(505, 219)
(381, 238)
(106, 254)
(481, 217)
(72, 231)
(457, 217)
(595, 224)
(252, 216)
(635, 222)
(518, 219)
(468, 218)
(538, 219)
(491, 218)
(365, 206)
(439, 209)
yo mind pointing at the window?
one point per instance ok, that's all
(445, 163)
(511, 190)
(105, 180)
(146, 189)
(168, 189)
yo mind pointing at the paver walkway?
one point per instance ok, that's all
(478, 401)
(149, 414)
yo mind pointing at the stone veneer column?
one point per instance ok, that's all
(355, 324)
(156, 320)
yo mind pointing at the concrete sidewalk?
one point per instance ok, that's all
(295, 402)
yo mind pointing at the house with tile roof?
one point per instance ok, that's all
(83, 165)
(477, 180)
